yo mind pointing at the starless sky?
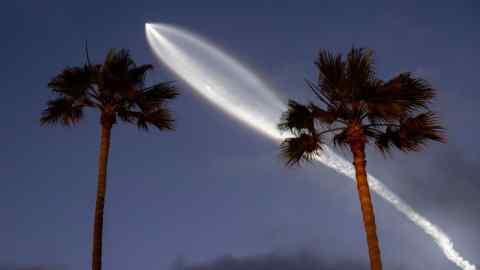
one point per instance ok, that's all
(213, 186)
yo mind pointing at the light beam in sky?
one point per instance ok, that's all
(229, 85)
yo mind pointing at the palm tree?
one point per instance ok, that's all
(116, 88)
(356, 108)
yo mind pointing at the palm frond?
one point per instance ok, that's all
(160, 93)
(298, 117)
(399, 97)
(341, 139)
(137, 74)
(386, 141)
(412, 134)
(331, 76)
(65, 111)
(115, 79)
(118, 61)
(161, 118)
(304, 147)
(72, 82)
(359, 70)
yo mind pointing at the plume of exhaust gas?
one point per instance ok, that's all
(229, 85)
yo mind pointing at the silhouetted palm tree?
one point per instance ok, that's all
(357, 108)
(116, 88)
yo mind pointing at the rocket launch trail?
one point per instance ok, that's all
(234, 89)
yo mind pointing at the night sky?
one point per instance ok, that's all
(215, 187)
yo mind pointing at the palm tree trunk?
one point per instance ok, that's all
(101, 191)
(358, 151)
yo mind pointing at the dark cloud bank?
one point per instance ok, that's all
(31, 267)
(304, 260)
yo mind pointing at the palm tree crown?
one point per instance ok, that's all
(357, 106)
(116, 88)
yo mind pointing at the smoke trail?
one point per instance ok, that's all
(331, 159)
(234, 89)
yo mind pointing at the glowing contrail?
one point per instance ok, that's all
(234, 89)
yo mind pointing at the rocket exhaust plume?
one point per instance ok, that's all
(229, 85)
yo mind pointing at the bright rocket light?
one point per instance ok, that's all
(234, 89)
(217, 77)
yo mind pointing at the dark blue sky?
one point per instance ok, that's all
(214, 187)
